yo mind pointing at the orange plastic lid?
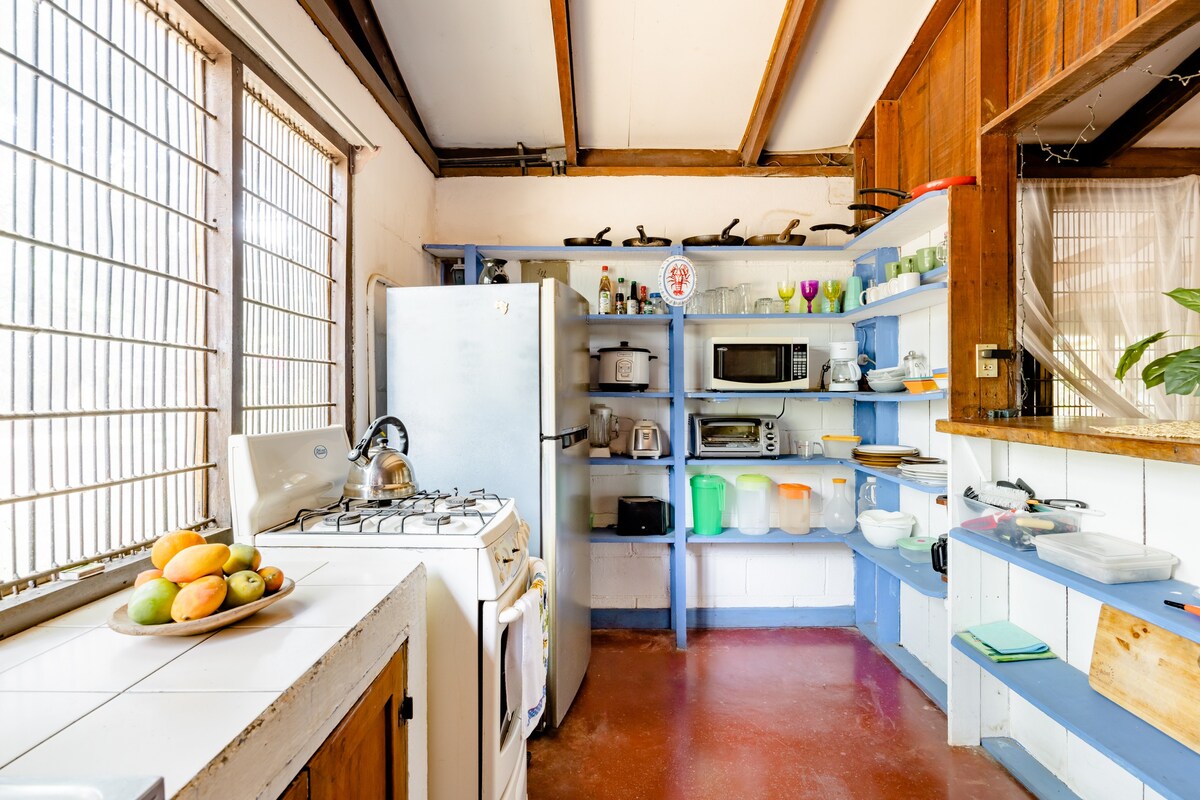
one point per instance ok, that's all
(794, 490)
(830, 438)
(839, 480)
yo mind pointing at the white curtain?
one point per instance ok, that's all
(1095, 257)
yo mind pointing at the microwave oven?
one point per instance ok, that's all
(761, 363)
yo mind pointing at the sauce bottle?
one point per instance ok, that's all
(604, 306)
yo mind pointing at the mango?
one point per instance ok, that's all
(242, 557)
(169, 544)
(152, 602)
(196, 562)
(146, 575)
(272, 577)
(244, 587)
(198, 599)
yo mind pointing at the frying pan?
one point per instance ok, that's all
(723, 239)
(643, 240)
(589, 241)
(785, 239)
(917, 191)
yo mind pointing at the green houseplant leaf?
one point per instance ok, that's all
(1153, 374)
(1188, 298)
(1183, 373)
(1135, 351)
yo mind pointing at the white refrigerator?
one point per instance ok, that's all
(491, 382)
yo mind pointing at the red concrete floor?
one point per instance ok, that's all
(804, 713)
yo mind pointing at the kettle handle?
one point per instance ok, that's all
(374, 429)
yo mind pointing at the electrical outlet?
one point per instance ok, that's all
(986, 367)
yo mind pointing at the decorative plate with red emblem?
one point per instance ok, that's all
(677, 280)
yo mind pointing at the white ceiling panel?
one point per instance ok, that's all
(1182, 129)
(482, 74)
(851, 52)
(669, 73)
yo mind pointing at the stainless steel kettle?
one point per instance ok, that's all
(377, 472)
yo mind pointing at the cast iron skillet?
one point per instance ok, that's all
(589, 241)
(785, 239)
(723, 239)
(643, 240)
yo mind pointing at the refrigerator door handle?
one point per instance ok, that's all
(569, 438)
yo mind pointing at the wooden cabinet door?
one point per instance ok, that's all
(366, 756)
(298, 789)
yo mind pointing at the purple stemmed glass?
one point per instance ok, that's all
(809, 290)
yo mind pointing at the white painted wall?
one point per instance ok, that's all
(1144, 501)
(393, 192)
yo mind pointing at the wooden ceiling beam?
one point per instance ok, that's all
(652, 157)
(642, 161)
(329, 24)
(781, 64)
(1163, 100)
(734, 171)
(561, 18)
(1151, 29)
(1136, 162)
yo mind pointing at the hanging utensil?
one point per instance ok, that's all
(785, 239)
(642, 240)
(589, 241)
(724, 239)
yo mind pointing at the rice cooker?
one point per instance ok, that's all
(624, 368)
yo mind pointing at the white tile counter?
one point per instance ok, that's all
(235, 713)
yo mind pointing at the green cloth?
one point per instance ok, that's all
(1008, 639)
(998, 657)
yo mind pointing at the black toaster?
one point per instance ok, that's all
(643, 516)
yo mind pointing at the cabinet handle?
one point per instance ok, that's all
(405, 711)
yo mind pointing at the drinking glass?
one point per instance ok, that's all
(733, 303)
(787, 290)
(943, 250)
(762, 305)
(809, 290)
(744, 301)
(832, 291)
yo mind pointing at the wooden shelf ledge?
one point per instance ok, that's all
(1078, 433)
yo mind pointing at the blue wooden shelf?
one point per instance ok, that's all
(758, 318)
(628, 319)
(862, 397)
(909, 665)
(626, 461)
(894, 476)
(926, 296)
(1143, 600)
(646, 395)
(1062, 693)
(1028, 771)
(935, 275)
(609, 536)
(773, 536)
(920, 577)
(782, 461)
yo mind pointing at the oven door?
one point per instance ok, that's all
(502, 732)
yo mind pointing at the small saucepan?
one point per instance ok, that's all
(785, 239)
(723, 239)
(642, 240)
(589, 241)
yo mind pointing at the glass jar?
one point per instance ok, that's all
(795, 503)
(916, 365)
(839, 511)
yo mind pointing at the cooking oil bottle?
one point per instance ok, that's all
(605, 304)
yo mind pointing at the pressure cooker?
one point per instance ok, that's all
(624, 368)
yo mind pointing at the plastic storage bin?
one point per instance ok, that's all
(708, 504)
(1106, 558)
(795, 508)
(754, 504)
(1017, 529)
(916, 548)
(839, 446)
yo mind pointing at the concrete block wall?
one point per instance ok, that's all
(1144, 501)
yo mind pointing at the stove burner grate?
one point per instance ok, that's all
(430, 507)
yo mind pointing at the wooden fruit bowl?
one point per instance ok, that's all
(121, 623)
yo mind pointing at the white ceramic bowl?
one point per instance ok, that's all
(885, 528)
(886, 385)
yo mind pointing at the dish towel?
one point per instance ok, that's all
(1007, 639)
(534, 645)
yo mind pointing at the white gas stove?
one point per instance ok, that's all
(286, 491)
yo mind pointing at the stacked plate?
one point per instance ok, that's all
(931, 471)
(882, 456)
(886, 380)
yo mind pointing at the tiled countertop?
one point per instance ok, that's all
(235, 713)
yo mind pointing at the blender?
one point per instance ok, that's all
(600, 431)
(844, 372)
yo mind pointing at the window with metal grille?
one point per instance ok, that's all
(288, 279)
(103, 286)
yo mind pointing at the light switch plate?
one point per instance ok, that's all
(986, 367)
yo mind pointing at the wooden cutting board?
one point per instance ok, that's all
(1152, 673)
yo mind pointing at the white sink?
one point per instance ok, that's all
(123, 788)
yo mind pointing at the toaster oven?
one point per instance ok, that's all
(714, 436)
(759, 363)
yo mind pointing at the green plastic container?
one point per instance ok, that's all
(708, 504)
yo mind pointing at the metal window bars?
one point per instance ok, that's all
(103, 287)
(288, 283)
